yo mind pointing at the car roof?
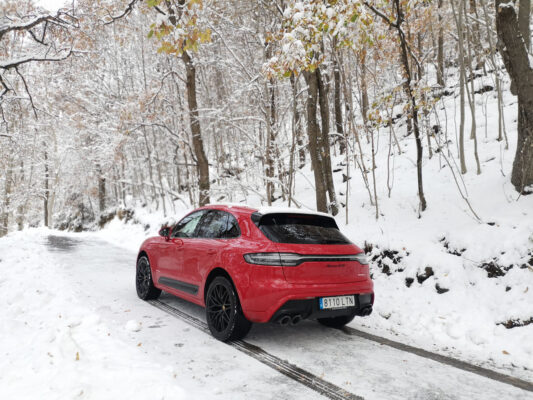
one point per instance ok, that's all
(232, 207)
(247, 210)
(289, 210)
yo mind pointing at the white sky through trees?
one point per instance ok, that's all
(51, 5)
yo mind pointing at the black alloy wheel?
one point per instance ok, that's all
(143, 280)
(223, 311)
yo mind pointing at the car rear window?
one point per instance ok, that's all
(300, 228)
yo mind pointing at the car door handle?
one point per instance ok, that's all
(211, 252)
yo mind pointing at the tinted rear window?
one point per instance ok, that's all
(301, 228)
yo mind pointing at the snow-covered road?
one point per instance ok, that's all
(73, 327)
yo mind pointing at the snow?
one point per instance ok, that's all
(73, 327)
(229, 204)
(133, 326)
(56, 347)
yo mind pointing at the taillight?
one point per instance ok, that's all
(294, 259)
(275, 259)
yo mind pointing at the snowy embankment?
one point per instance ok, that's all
(54, 345)
(446, 281)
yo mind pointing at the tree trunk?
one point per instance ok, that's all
(475, 38)
(46, 188)
(458, 15)
(314, 146)
(198, 144)
(295, 122)
(515, 56)
(523, 22)
(324, 139)
(364, 93)
(471, 93)
(339, 129)
(492, 57)
(4, 222)
(101, 189)
(150, 169)
(412, 101)
(298, 122)
(20, 208)
(440, 49)
(270, 140)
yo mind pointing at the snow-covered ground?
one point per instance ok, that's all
(72, 327)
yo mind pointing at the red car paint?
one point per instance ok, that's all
(261, 289)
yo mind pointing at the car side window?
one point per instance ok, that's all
(211, 225)
(187, 226)
(231, 229)
(218, 225)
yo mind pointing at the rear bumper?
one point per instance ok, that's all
(264, 304)
(310, 309)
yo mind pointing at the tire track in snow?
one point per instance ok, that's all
(487, 373)
(328, 389)
(298, 374)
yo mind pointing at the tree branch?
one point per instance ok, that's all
(25, 26)
(381, 15)
(125, 13)
(396, 25)
(15, 63)
(27, 91)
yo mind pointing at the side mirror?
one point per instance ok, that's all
(165, 232)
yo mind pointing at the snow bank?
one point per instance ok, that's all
(53, 346)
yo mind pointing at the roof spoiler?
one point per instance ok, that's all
(258, 215)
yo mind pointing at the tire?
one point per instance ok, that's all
(143, 280)
(223, 311)
(336, 322)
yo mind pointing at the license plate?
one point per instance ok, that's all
(336, 302)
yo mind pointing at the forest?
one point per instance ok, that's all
(106, 105)
(410, 122)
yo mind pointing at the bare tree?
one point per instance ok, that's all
(404, 57)
(516, 59)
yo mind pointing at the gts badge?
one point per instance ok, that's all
(335, 265)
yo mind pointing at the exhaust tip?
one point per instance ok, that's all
(285, 320)
(296, 319)
(366, 311)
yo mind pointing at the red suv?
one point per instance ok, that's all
(247, 265)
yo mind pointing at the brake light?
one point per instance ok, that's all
(294, 259)
(274, 259)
